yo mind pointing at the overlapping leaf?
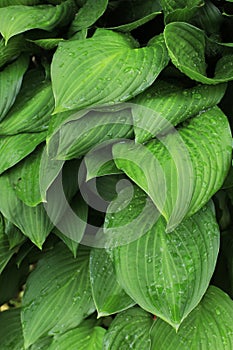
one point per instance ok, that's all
(19, 18)
(165, 105)
(116, 70)
(11, 51)
(11, 79)
(78, 137)
(33, 222)
(129, 330)
(88, 336)
(32, 109)
(5, 252)
(14, 148)
(166, 274)
(58, 295)
(186, 47)
(108, 295)
(184, 169)
(209, 326)
(180, 10)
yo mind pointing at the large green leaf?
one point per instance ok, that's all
(128, 15)
(78, 137)
(11, 51)
(108, 295)
(166, 274)
(58, 294)
(105, 69)
(18, 2)
(32, 109)
(88, 336)
(186, 47)
(88, 14)
(11, 337)
(14, 148)
(18, 19)
(180, 10)
(11, 78)
(182, 170)
(166, 104)
(33, 222)
(129, 330)
(209, 326)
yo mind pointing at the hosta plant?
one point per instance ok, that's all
(116, 178)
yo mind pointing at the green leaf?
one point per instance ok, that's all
(5, 3)
(88, 14)
(47, 44)
(32, 109)
(11, 79)
(87, 336)
(57, 296)
(5, 252)
(129, 330)
(45, 17)
(33, 222)
(42, 344)
(14, 235)
(180, 10)
(25, 178)
(131, 14)
(71, 231)
(14, 148)
(102, 70)
(166, 274)
(78, 137)
(11, 51)
(209, 326)
(191, 61)
(11, 336)
(182, 170)
(108, 295)
(166, 104)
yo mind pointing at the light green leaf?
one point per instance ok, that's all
(108, 295)
(166, 104)
(11, 78)
(32, 109)
(11, 51)
(167, 274)
(87, 336)
(182, 170)
(33, 222)
(78, 137)
(24, 178)
(88, 14)
(209, 326)
(103, 70)
(14, 148)
(58, 295)
(11, 337)
(131, 14)
(129, 330)
(72, 231)
(18, 19)
(191, 61)
(5, 3)
(180, 10)
(47, 44)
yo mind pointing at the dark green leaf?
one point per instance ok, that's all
(11, 337)
(5, 252)
(180, 10)
(11, 51)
